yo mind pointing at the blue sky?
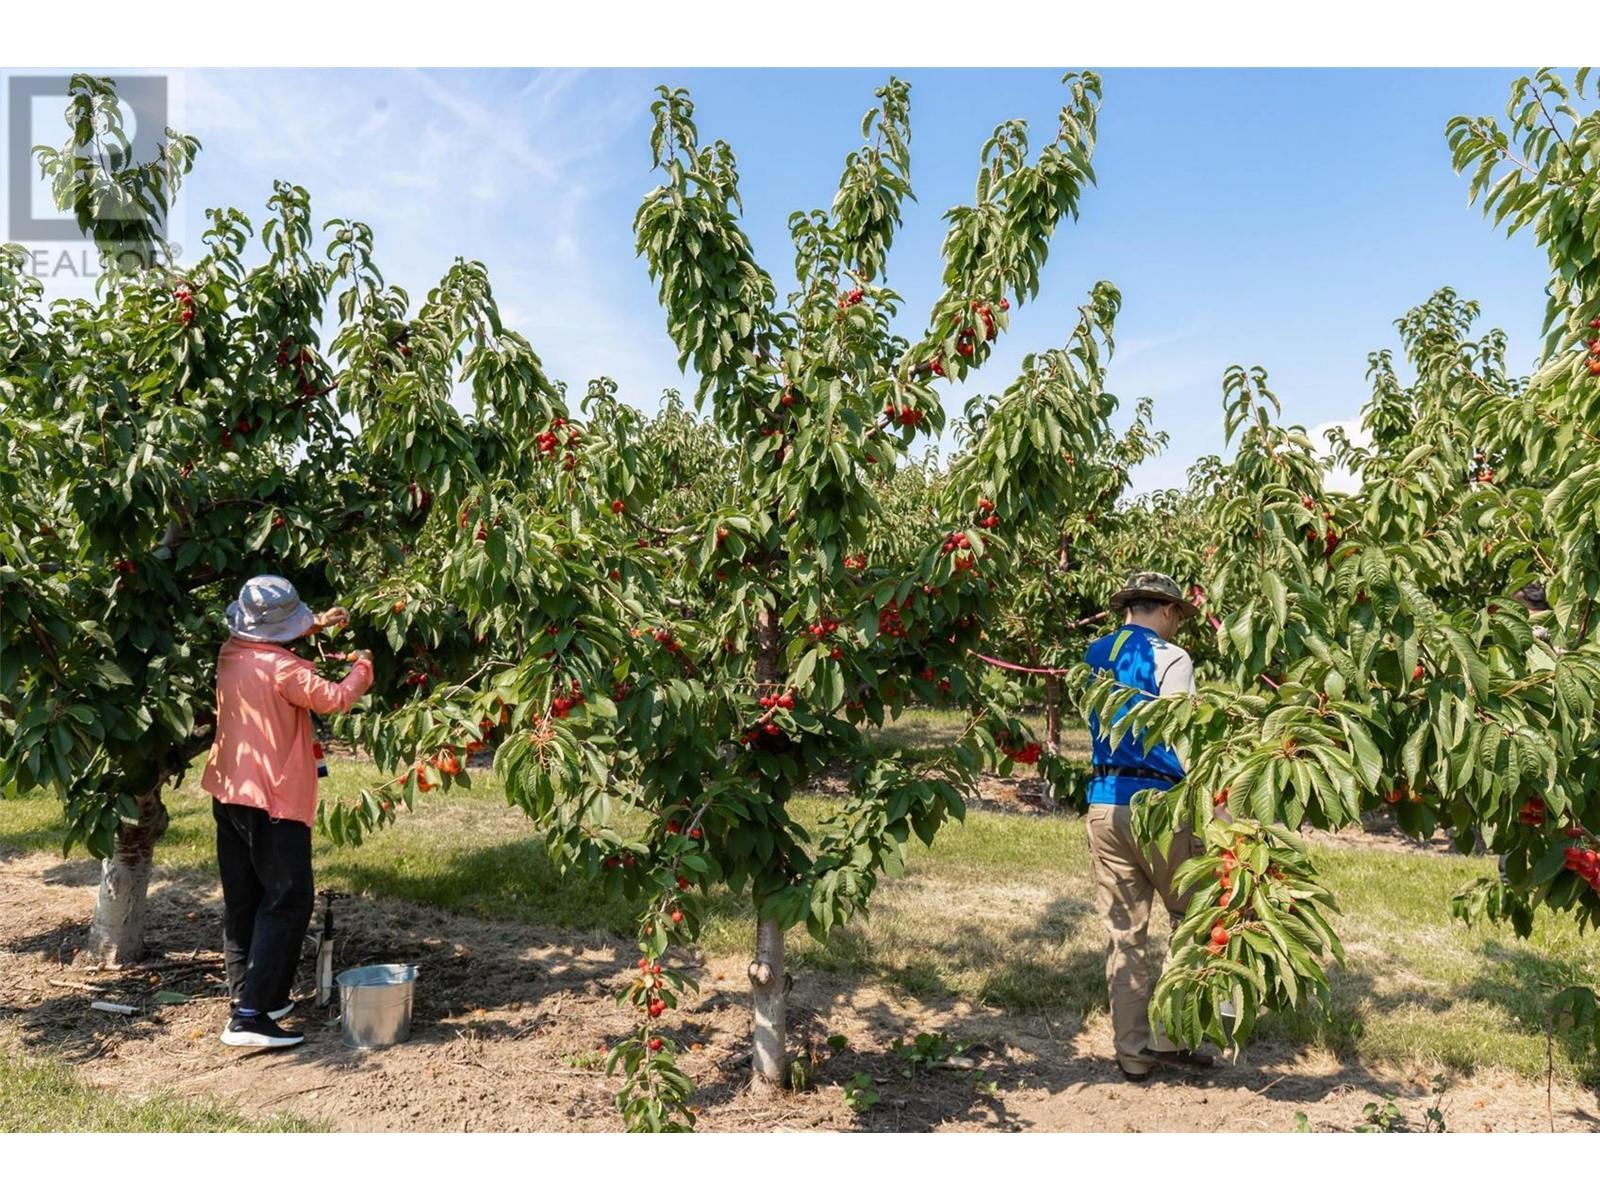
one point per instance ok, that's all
(1281, 217)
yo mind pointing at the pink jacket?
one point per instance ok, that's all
(261, 756)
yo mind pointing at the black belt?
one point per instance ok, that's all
(1104, 772)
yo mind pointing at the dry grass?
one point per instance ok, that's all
(999, 913)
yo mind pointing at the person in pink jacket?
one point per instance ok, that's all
(262, 777)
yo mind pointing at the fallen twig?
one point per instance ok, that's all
(82, 987)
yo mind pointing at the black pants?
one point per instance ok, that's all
(267, 898)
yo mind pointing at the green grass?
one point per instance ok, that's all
(41, 1096)
(998, 912)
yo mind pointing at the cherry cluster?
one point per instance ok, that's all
(959, 542)
(967, 339)
(649, 982)
(1028, 752)
(551, 439)
(563, 703)
(1219, 939)
(908, 416)
(663, 638)
(766, 727)
(304, 364)
(890, 623)
(1584, 861)
(1330, 539)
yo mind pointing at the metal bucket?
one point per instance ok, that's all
(375, 1005)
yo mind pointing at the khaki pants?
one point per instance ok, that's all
(1126, 880)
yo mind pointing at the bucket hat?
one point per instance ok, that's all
(1152, 585)
(269, 610)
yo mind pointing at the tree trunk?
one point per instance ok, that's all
(1052, 731)
(116, 935)
(768, 988)
(1052, 683)
(768, 983)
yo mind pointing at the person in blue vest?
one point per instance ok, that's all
(1127, 878)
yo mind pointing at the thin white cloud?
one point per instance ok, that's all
(475, 164)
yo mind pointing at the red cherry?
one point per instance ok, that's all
(1005, 305)
(617, 506)
(655, 1044)
(677, 917)
(1417, 673)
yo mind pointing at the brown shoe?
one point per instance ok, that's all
(1193, 1059)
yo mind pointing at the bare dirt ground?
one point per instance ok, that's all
(509, 1018)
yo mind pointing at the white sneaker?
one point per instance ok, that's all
(259, 1030)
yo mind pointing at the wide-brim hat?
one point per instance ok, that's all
(1152, 585)
(269, 610)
